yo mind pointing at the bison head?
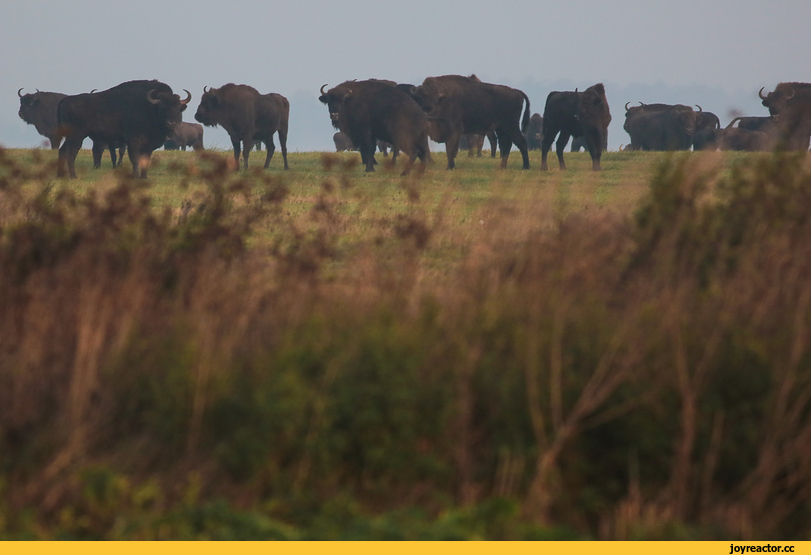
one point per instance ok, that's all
(592, 110)
(335, 98)
(210, 108)
(776, 100)
(28, 106)
(429, 95)
(168, 105)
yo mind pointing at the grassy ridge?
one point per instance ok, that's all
(323, 353)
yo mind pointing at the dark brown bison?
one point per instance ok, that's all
(185, 135)
(660, 126)
(247, 116)
(459, 105)
(578, 114)
(138, 114)
(39, 109)
(706, 131)
(740, 138)
(789, 105)
(374, 110)
(534, 132)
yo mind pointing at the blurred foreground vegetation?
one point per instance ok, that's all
(245, 363)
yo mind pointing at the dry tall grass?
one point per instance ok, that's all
(619, 376)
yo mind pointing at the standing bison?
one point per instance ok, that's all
(459, 105)
(247, 116)
(185, 135)
(579, 114)
(789, 105)
(138, 114)
(375, 110)
(534, 132)
(39, 109)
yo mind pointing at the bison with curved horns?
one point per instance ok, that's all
(372, 110)
(247, 116)
(39, 109)
(789, 105)
(139, 114)
(457, 105)
(579, 114)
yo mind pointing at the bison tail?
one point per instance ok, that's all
(525, 120)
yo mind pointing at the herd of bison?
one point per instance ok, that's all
(141, 116)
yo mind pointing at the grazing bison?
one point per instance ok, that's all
(185, 135)
(374, 110)
(459, 105)
(579, 114)
(247, 116)
(789, 105)
(138, 114)
(534, 132)
(660, 126)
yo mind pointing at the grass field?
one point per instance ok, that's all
(321, 353)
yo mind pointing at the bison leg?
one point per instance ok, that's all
(548, 138)
(113, 154)
(452, 148)
(479, 145)
(367, 153)
(283, 144)
(67, 157)
(247, 145)
(271, 149)
(98, 150)
(560, 146)
(139, 159)
(491, 136)
(521, 142)
(237, 150)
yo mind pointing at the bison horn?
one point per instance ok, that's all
(793, 92)
(699, 108)
(626, 105)
(204, 89)
(150, 98)
(18, 92)
(188, 98)
(322, 89)
(760, 93)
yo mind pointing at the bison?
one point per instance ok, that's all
(660, 126)
(741, 138)
(39, 109)
(576, 114)
(247, 116)
(534, 132)
(706, 130)
(138, 114)
(459, 105)
(374, 110)
(789, 105)
(185, 135)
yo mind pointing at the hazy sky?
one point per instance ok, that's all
(711, 52)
